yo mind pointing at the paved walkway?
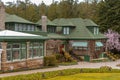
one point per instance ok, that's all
(79, 65)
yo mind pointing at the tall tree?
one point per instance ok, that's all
(42, 9)
(67, 8)
(109, 15)
(52, 11)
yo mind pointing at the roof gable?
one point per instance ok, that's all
(17, 19)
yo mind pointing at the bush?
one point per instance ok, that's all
(50, 60)
(68, 57)
(105, 68)
(59, 57)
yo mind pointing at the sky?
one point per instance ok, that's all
(47, 2)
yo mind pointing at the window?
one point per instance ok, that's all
(51, 29)
(16, 51)
(10, 26)
(98, 45)
(96, 30)
(66, 30)
(36, 49)
(16, 27)
(24, 27)
(29, 28)
(23, 51)
(32, 28)
(20, 27)
(80, 45)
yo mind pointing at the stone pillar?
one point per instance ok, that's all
(2, 16)
(28, 51)
(92, 48)
(3, 56)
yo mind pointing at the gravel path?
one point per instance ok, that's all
(79, 65)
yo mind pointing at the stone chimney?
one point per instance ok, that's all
(44, 23)
(2, 16)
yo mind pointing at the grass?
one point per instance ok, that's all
(89, 76)
(68, 63)
(66, 74)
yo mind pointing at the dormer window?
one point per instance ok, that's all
(66, 30)
(51, 29)
(96, 30)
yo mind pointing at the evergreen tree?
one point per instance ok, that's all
(109, 15)
(52, 11)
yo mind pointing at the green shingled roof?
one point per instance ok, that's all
(48, 22)
(81, 31)
(17, 19)
(89, 22)
(63, 22)
(56, 36)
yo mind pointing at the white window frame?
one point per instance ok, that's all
(96, 30)
(66, 30)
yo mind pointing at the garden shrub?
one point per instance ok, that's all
(50, 60)
(105, 68)
(68, 57)
(59, 57)
(64, 58)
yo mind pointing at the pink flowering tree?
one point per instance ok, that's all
(113, 42)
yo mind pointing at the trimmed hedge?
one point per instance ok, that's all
(50, 60)
(46, 75)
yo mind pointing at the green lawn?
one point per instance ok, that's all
(89, 76)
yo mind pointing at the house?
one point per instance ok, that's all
(28, 42)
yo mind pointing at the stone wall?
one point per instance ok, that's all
(2, 16)
(25, 64)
